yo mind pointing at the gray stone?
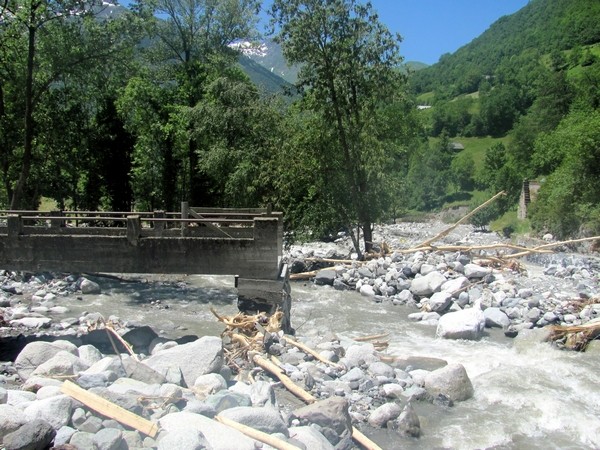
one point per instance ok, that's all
(89, 354)
(451, 381)
(455, 285)
(183, 439)
(495, 317)
(11, 418)
(33, 435)
(91, 424)
(32, 355)
(218, 436)
(223, 400)
(108, 439)
(465, 324)
(427, 284)
(55, 410)
(108, 363)
(193, 359)
(325, 277)
(208, 384)
(141, 372)
(60, 365)
(47, 392)
(89, 287)
(82, 440)
(198, 407)
(262, 394)
(3, 396)
(267, 420)
(358, 354)
(408, 423)
(31, 322)
(383, 414)
(19, 398)
(63, 435)
(330, 413)
(93, 380)
(379, 368)
(476, 271)
(367, 290)
(33, 384)
(392, 390)
(440, 301)
(311, 438)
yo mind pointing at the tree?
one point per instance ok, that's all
(192, 44)
(350, 70)
(44, 44)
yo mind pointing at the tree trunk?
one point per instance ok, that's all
(28, 141)
(367, 227)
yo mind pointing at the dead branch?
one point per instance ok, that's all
(310, 351)
(464, 219)
(258, 435)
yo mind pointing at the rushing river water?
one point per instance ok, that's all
(528, 395)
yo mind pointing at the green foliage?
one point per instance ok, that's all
(349, 70)
(568, 201)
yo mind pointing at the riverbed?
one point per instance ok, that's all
(527, 394)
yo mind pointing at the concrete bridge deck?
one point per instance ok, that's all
(246, 243)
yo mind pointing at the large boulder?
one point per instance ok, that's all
(311, 438)
(11, 418)
(464, 324)
(54, 410)
(218, 436)
(32, 435)
(451, 381)
(60, 365)
(193, 359)
(428, 284)
(495, 317)
(32, 355)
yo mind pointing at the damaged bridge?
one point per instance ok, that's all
(246, 243)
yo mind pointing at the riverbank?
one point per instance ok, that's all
(378, 395)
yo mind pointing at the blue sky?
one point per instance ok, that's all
(430, 28)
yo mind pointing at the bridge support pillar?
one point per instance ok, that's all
(267, 296)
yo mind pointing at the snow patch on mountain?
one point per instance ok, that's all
(251, 49)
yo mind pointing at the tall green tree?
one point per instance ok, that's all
(45, 45)
(349, 72)
(191, 45)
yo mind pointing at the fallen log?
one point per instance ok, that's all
(109, 409)
(310, 351)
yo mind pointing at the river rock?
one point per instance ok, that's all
(11, 418)
(427, 284)
(325, 277)
(208, 384)
(311, 438)
(61, 364)
(140, 338)
(465, 324)
(89, 354)
(109, 439)
(32, 355)
(55, 410)
(183, 439)
(191, 360)
(35, 434)
(451, 381)
(330, 413)
(89, 287)
(476, 271)
(440, 301)
(383, 414)
(495, 317)
(408, 424)
(267, 420)
(218, 436)
(358, 354)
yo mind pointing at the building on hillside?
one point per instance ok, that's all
(529, 192)
(456, 146)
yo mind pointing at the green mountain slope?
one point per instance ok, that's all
(542, 26)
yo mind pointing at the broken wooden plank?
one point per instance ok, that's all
(109, 409)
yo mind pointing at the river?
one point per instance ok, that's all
(528, 395)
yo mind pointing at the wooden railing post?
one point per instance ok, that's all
(134, 229)
(14, 225)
